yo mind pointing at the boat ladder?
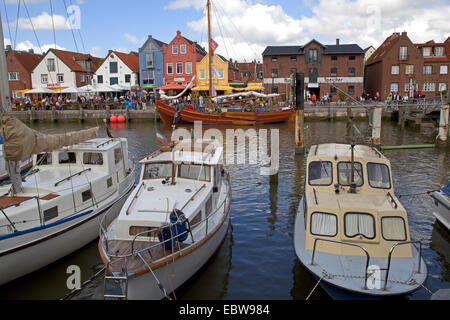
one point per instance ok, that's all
(120, 278)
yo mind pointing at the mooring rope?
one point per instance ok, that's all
(83, 284)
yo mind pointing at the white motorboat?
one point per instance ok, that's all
(61, 199)
(442, 205)
(171, 224)
(25, 166)
(351, 232)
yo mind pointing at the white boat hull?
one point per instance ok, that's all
(173, 275)
(30, 251)
(441, 211)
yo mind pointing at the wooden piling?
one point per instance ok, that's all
(299, 113)
(376, 126)
(108, 113)
(54, 114)
(81, 114)
(349, 123)
(443, 125)
(127, 114)
(401, 116)
(33, 116)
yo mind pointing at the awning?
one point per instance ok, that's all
(171, 86)
(41, 90)
(250, 88)
(200, 88)
(223, 88)
(21, 91)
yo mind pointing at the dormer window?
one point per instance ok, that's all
(426, 51)
(439, 51)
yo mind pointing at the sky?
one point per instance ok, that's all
(242, 28)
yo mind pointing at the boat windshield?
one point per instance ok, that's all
(379, 176)
(195, 171)
(344, 176)
(157, 170)
(320, 173)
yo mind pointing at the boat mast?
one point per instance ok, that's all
(4, 87)
(208, 5)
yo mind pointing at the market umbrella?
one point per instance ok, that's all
(72, 90)
(41, 91)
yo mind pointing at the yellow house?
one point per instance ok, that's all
(220, 77)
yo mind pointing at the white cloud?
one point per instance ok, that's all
(27, 45)
(251, 25)
(97, 52)
(43, 22)
(133, 39)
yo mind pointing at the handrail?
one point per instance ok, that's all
(349, 244)
(392, 200)
(70, 177)
(390, 256)
(134, 198)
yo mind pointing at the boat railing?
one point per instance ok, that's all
(390, 257)
(104, 240)
(71, 176)
(348, 244)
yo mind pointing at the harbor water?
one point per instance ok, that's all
(257, 259)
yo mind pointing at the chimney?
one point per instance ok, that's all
(31, 50)
(404, 34)
(8, 47)
(337, 41)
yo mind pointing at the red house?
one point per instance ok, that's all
(180, 58)
(19, 65)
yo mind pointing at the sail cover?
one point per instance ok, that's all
(20, 141)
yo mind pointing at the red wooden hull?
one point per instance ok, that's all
(167, 114)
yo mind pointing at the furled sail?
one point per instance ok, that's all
(20, 141)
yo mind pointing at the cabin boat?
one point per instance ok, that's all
(170, 225)
(25, 166)
(62, 198)
(442, 205)
(351, 231)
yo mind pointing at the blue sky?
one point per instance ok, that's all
(246, 27)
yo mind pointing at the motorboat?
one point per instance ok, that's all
(441, 211)
(351, 231)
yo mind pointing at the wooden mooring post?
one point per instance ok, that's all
(443, 123)
(299, 113)
(376, 126)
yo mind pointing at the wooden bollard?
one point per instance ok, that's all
(33, 116)
(443, 125)
(376, 126)
(54, 114)
(349, 123)
(81, 114)
(108, 113)
(401, 116)
(299, 114)
(127, 114)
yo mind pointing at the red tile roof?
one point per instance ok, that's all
(379, 53)
(71, 58)
(26, 59)
(130, 59)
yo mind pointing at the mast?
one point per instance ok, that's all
(208, 5)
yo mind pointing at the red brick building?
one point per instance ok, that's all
(401, 67)
(250, 71)
(322, 65)
(180, 58)
(19, 65)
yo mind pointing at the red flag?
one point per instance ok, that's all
(214, 45)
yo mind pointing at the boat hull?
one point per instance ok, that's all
(343, 276)
(441, 211)
(167, 114)
(36, 248)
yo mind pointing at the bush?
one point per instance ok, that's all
(275, 102)
(283, 97)
(341, 96)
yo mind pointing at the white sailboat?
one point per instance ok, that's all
(171, 224)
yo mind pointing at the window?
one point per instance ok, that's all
(201, 74)
(221, 73)
(149, 60)
(351, 58)
(427, 69)
(439, 51)
(127, 78)
(13, 76)
(403, 53)
(351, 72)
(208, 206)
(67, 157)
(344, 173)
(395, 70)
(333, 89)
(158, 170)
(182, 48)
(333, 72)
(194, 171)
(113, 81)
(351, 89)
(82, 77)
(148, 76)
(109, 183)
(393, 228)
(44, 78)
(188, 67)
(95, 158)
(50, 213)
(60, 77)
(170, 68)
(294, 71)
(44, 159)
(86, 195)
(50, 64)
(409, 69)
(334, 58)
(274, 73)
(394, 87)
(196, 219)
(442, 86)
(274, 59)
(359, 224)
(99, 79)
(323, 224)
(407, 85)
(117, 155)
(293, 58)
(313, 55)
(179, 67)
(113, 67)
(274, 89)
(313, 73)
(320, 173)
(426, 51)
(443, 69)
(378, 175)
(152, 232)
(429, 87)
(174, 49)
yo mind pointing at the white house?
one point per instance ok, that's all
(62, 69)
(119, 68)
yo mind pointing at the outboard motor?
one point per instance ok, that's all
(177, 232)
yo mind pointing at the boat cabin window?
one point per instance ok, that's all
(393, 228)
(344, 173)
(194, 171)
(117, 155)
(194, 221)
(323, 224)
(44, 159)
(320, 173)
(157, 170)
(86, 195)
(379, 176)
(50, 213)
(93, 158)
(359, 224)
(67, 157)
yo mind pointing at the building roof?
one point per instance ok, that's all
(329, 49)
(71, 58)
(158, 42)
(282, 50)
(27, 59)
(343, 49)
(379, 53)
(198, 48)
(130, 59)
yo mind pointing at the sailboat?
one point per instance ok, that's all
(169, 113)
(75, 179)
